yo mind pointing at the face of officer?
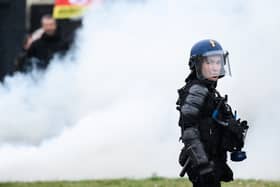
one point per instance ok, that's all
(211, 67)
(49, 25)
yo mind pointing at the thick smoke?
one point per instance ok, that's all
(108, 109)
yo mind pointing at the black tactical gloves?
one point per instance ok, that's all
(206, 173)
(237, 127)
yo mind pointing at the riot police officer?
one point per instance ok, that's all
(209, 127)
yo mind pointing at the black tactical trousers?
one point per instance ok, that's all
(212, 180)
(202, 184)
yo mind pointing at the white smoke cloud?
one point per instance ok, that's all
(109, 110)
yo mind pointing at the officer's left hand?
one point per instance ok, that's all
(237, 127)
(244, 125)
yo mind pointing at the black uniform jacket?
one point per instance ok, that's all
(196, 103)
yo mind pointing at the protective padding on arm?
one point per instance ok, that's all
(195, 149)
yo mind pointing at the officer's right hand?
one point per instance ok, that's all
(206, 173)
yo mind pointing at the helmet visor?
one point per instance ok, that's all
(213, 65)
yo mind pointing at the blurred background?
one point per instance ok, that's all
(88, 88)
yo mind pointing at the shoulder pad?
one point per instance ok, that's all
(198, 89)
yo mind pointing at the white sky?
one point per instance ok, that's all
(108, 110)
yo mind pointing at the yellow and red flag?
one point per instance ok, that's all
(65, 9)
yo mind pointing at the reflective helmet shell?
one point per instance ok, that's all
(202, 47)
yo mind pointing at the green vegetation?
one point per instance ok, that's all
(151, 182)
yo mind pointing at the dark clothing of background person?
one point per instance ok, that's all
(22, 56)
(20, 61)
(44, 48)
